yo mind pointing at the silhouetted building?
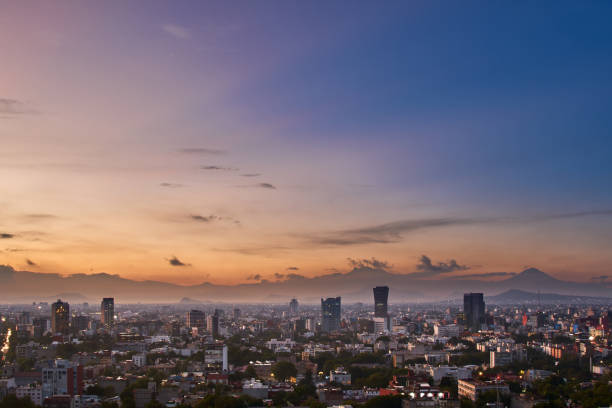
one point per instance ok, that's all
(237, 313)
(381, 315)
(381, 296)
(330, 314)
(60, 317)
(293, 307)
(212, 324)
(197, 319)
(107, 311)
(474, 310)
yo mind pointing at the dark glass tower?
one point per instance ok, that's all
(107, 312)
(474, 310)
(60, 317)
(330, 314)
(381, 296)
(293, 307)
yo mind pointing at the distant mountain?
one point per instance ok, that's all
(354, 286)
(515, 296)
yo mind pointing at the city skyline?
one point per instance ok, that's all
(209, 142)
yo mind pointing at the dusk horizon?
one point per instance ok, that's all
(209, 142)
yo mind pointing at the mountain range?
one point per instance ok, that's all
(354, 286)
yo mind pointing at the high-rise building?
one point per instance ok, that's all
(293, 307)
(381, 296)
(107, 313)
(197, 319)
(474, 310)
(60, 317)
(330, 314)
(212, 325)
(236, 313)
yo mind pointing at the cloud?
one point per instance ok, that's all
(220, 168)
(202, 151)
(386, 233)
(255, 277)
(266, 185)
(293, 268)
(177, 31)
(174, 261)
(5, 235)
(250, 175)
(30, 262)
(279, 276)
(482, 275)
(290, 276)
(369, 263)
(171, 185)
(13, 107)
(212, 218)
(392, 232)
(601, 278)
(425, 266)
(204, 218)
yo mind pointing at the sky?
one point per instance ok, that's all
(221, 141)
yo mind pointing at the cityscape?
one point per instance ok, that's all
(305, 204)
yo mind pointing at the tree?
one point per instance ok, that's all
(11, 401)
(283, 370)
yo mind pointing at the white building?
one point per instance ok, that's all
(139, 360)
(30, 391)
(448, 330)
(458, 373)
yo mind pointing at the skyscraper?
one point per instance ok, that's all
(474, 310)
(212, 324)
(381, 296)
(107, 313)
(293, 307)
(330, 314)
(60, 317)
(197, 319)
(381, 315)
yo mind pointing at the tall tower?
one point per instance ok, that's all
(330, 314)
(196, 318)
(60, 317)
(293, 307)
(474, 310)
(107, 313)
(381, 297)
(381, 314)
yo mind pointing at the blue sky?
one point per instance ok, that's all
(359, 114)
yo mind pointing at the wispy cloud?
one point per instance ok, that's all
(30, 262)
(174, 261)
(250, 175)
(386, 233)
(177, 31)
(5, 235)
(254, 277)
(266, 185)
(171, 185)
(392, 232)
(203, 151)
(10, 106)
(218, 168)
(212, 218)
(293, 268)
